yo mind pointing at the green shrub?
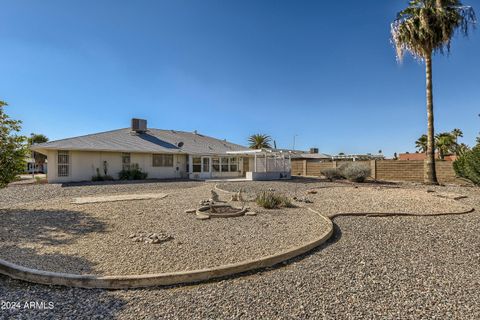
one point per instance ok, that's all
(468, 165)
(134, 173)
(331, 174)
(270, 200)
(356, 172)
(99, 177)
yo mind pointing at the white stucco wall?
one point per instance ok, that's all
(83, 165)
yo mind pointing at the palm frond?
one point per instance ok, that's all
(428, 26)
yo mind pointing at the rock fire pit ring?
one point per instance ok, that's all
(220, 211)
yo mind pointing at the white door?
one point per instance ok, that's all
(206, 168)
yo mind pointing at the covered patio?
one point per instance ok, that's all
(266, 164)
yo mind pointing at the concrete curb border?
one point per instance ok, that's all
(162, 279)
(399, 214)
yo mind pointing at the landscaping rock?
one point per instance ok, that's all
(201, 216)
(303, 199)
(150, 238)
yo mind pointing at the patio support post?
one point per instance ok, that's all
(265, 162)
(255, 163)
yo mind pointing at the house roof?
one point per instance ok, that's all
(311, 156)
(152, 141)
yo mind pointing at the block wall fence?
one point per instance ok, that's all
(387, 170)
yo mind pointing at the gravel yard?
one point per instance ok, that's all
(374, 267)
(96, 238)
(339, 198)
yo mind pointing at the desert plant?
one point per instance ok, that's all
(468, 165)
(133, 173)
(426, 27)
(99, 177)
(271, 200)
(341, 168)
(331, 174)
(356, 172)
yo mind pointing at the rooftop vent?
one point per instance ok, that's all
(180, 144)
(139, 125)
(313, 150)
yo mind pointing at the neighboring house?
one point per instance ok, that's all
(30, 165)
(162, 154)
(359, 157)
(423, 156)
(311, 156)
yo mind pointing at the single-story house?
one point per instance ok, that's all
(162, 154)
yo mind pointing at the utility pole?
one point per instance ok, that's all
(294, 136)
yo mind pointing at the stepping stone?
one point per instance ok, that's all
(201, 216)
(121, 197)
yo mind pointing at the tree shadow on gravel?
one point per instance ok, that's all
(49, 227)
(68, 303)
(20, 230)
(54, 262)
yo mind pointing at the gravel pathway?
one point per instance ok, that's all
(374, 268)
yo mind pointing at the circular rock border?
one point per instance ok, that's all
(161, 279)
(239, 211)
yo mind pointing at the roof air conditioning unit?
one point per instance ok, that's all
(313, 150)
(139, 125)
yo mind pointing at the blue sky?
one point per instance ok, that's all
(324, 72)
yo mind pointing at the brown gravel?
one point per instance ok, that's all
(373, 268)
(57, 235)
(333, 199)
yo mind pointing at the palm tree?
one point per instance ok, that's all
(457, 133)
(37, 138)
(37, 157)
(259, 141)
(445, 143)
(421, 143)
(426, 27)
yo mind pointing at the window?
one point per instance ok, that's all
(206, 164)
(126, 161)
(162, 160)
(63, 163)
(224, 164)
(233, 164)
(197, 164)
(216, 164)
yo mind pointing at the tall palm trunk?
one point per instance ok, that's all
(430, 174)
